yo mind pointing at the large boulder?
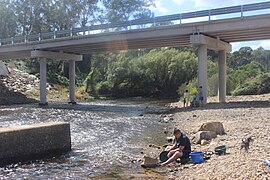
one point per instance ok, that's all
(213, 126)
(206, 135)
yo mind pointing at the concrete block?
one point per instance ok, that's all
(31, 142)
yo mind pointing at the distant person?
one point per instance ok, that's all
(195, 101)
(180, 149)
(201, 95)
(186, 97)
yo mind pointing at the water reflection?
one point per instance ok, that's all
(106, 137)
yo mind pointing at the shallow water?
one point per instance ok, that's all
(106, 137)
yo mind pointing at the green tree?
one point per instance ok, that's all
(8, 19)
(241, 57)
(123, 10)
(262, 56)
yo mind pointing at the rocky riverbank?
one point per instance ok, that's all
(16, 87)
(242, 116)
(20, 87)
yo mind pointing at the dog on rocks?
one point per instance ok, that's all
(246, 143)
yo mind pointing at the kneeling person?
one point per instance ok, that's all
(180, 149)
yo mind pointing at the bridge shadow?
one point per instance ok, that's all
(228, 105)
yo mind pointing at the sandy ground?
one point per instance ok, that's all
(241, 116)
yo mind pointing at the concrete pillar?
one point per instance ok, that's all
(222, 76)
(42, 83)
(202, 72)
(72, 82)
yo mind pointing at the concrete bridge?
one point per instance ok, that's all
(207, 29)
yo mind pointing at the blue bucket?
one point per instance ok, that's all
(196, 157)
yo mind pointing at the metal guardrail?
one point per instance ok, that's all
(127, 25)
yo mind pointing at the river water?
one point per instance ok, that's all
(106, 138)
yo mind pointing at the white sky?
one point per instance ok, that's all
(166, 7)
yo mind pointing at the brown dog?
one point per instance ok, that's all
(246, 143)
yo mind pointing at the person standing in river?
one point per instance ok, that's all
(180, 149)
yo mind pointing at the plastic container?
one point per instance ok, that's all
(220, 150)
(197, 157)
(163, 156)
(267, 162)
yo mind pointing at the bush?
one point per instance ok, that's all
(104, 88)
(258, 85)
(213, 85)
(54, 78)
(190, 86)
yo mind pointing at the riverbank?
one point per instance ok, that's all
(22, 88)
(241, 116)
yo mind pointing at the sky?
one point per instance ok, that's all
(166, 7)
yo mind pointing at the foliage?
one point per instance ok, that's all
(191, 86)
(245, 73)
(259, 85)
(8, 20)
(123, 10)
(240, 58)
(150, 73)
(91, 80)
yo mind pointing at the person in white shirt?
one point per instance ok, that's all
(186, 97)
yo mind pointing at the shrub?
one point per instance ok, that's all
(258, 85)
(104, 88)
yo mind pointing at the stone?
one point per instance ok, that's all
(149, 162)
(204, 142)
(206, 135)
(213, 126)
(167, 119)
(170, 139)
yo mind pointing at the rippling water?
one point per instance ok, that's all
(106, 137)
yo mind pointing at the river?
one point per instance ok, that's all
(107, 138)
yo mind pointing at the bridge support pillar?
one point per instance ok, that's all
(222, 76)
(72, 82)
(42, 83)
(203, 43)
(202, 71)
(43, 55)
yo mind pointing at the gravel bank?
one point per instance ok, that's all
(241, 116)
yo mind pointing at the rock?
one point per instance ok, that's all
(167, 119)
(149, 162)
(204, 142)
(194, 115)
(170, 139)
(206, 135)
(213, 126)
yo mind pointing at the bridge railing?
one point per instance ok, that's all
(138, 23)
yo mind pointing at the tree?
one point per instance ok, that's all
(88, 12)
(241, 57)
(8, 20)
(124, 10)
(262, 56)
